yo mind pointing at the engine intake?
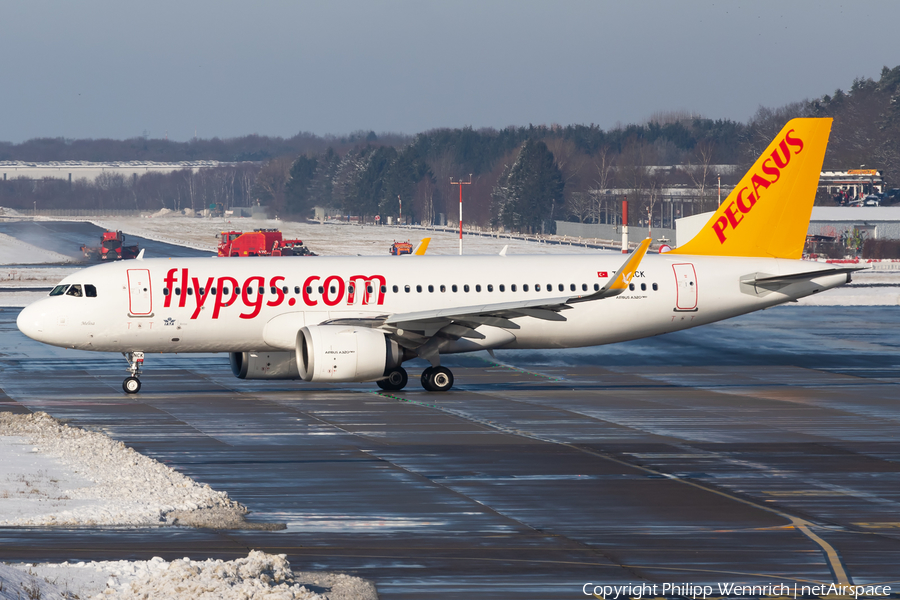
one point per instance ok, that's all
(344, 353)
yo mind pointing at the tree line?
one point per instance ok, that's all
(523, 178)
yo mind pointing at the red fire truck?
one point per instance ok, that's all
(259, 242)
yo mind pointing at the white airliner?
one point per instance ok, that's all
(342, 319)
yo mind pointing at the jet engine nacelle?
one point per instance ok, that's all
(345, 353)
(264, 365)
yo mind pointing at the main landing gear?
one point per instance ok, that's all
(132, 385)
(434, 379)
(437, 379)
(395, 381)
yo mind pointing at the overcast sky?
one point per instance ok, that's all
(104, 68)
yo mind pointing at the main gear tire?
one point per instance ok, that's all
(395, 381)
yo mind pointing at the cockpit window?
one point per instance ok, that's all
(59, 290)
(75, 290)
(90, 291)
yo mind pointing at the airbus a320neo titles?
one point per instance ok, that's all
(354, 319)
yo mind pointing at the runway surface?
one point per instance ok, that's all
(763, 449)
(67, 237)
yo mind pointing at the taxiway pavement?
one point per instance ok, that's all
(763, 449)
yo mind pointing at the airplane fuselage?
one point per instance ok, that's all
(259, 304)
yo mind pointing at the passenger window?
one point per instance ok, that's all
(395, 289)
(583, 287)
(59, 290)
(537, 287)
(502, 288)
(571, 287)
(190, 291)
(383, 289)
(454, 288)
(237, 290)
(525, 287)
(512, 288)
(225, 291)
(333, 290)
(261, 290)
(596, 287)
(284, 290)
(631, 286)
(490, 287)
(419, 288)
(443, 288)
(321, 290)
(643, 287)
(74, 290)
(165, 291)
(309, 289)
(478, 288)
(655, 287)
(177, 291)
(212, 291)
(431, 288)
(296, 289)
(406, 288)
(466, 288)
(369, 289)
(91, 291)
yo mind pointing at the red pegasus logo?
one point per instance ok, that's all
(746, 200)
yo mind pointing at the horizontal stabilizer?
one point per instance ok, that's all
(805, 276)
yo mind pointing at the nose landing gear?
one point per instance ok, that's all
(132, 385)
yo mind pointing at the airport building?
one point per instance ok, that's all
(856, 182)
(74, 170)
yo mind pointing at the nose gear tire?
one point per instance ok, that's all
(131, 385)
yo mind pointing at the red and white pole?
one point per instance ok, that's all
(461, 183)
(625, 225)
(460, 220)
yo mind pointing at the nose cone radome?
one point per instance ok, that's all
(32, 322)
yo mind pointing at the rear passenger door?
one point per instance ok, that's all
(685, 287)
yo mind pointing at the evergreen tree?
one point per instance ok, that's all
(297, 188)
(534, 189)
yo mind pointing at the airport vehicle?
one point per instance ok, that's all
(406, 248)
(112, 247)
(400, 248)
(354, 319)
(259, 242)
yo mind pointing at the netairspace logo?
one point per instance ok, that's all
(732, 590)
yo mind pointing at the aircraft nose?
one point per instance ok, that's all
(32, 321)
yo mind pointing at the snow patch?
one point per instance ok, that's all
(259, 575)
(115, 485)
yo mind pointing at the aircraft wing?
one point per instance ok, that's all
(420, 330)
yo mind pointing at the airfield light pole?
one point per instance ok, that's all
(461, 183)
(719, 178)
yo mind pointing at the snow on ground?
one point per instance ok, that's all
(259, 575)
(53, 474)
(330, 239)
